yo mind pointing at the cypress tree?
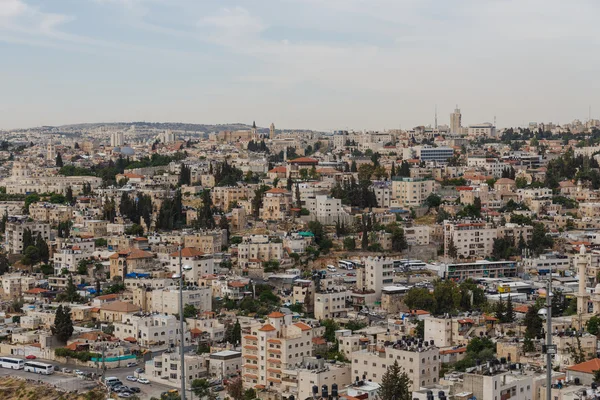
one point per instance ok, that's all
(63, 325)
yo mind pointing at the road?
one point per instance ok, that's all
(72, 382)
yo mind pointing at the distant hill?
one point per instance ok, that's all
(175, 126)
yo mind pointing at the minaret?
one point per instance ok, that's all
(582, 296)
(272, 131)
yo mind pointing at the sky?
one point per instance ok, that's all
(315, 64)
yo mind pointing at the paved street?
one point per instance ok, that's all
(72, 382)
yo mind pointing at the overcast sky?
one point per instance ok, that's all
(320, 64)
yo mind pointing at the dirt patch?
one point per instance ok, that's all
(15, 388)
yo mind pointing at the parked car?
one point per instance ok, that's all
(134, 389)
(131, 364)
(31, 357)
(143, 380)
(218, 388)
(66, 370)
(131, 378)
(78, 372)
(139, 370)
(125, 395)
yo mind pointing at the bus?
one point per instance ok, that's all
(11, 363)
(39, 367)
(344, 264)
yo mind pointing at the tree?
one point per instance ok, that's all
(395, 384)
(533, 323)
(452, 250)
(250, 394)
(70, 294)
(521, 182)
(509, 315)
(203, 348)
(576, 351)
(63, 325)
(433, 201)
(200, 388)
(4, 264)
(233, 333)
(500, 310)
(205, 218)
(330, 327)
(349, 243)
(308, 302)
(59, 161)
(82, 267)
(420, 299)
(30, 199)
(235, 389)
(528, 345)
(190, 311)
(69, 195)
(593, 325)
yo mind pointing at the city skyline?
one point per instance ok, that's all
(299, 63)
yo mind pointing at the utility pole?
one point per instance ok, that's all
(182, 335)
(549, 347)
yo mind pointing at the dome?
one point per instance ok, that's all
(597, 289)
(128, 151)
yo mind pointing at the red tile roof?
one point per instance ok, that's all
(267, 328)
(305, 160)
(587, 367)
(276, 314)
(302, 326)
(187, 252)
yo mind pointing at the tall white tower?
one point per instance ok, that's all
(455, 121)
(50, 152)
(582, 296)
(272, 131)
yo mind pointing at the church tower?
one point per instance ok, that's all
(254, 131)
(272, 131)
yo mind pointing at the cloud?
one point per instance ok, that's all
(233, 27)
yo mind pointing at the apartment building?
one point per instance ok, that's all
(276, 205)
(514, 232)
(14, 285)
(411, 192)
(258, 247)
(201, 264)
(224, 364)
(126, 261)
(52, 213)
(150, 329)
(270, 348)
(479, 269)
(376, 273)
(68, 258)
(545, 263)
(16, 227)
(324, 208)
(417, 235)
(166, 367)
(314, 371)
(167, 300)
(223, 196)
(471, 239)
(495, 382)
(421, 362)
(331, 304)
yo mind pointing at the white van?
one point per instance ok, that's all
(331, 268)
(111, 380)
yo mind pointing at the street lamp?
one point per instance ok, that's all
(182, 335)
(549, 349)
